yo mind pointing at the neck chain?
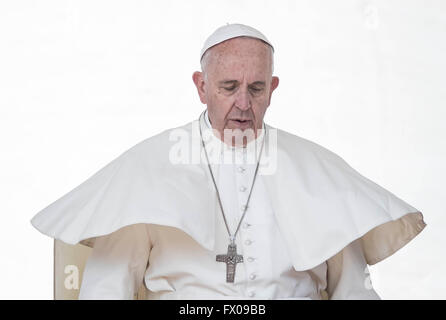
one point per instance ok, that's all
(231, 258)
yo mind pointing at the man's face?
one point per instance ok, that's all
(237, 84)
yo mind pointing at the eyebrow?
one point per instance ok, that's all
(226, 82)
(233, 82)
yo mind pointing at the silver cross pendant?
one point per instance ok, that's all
(231, 259)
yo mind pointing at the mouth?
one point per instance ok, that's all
(241, 121)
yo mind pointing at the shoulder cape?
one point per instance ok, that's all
(320, 202)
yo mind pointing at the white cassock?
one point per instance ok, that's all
(312, 224)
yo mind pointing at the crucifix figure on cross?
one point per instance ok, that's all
(231, 259)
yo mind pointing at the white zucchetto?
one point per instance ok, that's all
(230, 31)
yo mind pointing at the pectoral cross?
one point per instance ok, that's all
(231, 259)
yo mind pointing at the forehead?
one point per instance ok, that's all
(240, 56)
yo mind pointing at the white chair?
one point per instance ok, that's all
(69, 263)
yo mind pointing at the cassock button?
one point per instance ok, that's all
(248, 242)
(242, 189)
(252, 276)
(250, 259)
(251, 293)
(241, 169)
(243, 207)
(246, 225)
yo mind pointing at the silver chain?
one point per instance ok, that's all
(231, 238)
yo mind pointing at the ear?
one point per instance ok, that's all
(198, 79)
(274, 85)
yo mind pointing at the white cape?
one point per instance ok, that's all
(321, 204)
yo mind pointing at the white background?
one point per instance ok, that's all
(83, 81)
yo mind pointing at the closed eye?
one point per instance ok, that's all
(255, 90)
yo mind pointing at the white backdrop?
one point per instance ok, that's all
(83, 81)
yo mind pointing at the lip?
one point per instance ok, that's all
(241, 120)
(240, 123)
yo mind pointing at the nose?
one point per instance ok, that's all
(243, 100)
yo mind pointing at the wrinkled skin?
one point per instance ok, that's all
(237, 85)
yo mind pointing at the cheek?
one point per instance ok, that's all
(259, 109)
(222, 104)
(219, 107)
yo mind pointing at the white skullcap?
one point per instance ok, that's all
(230, 31)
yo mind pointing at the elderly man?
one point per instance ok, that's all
(227, 207)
